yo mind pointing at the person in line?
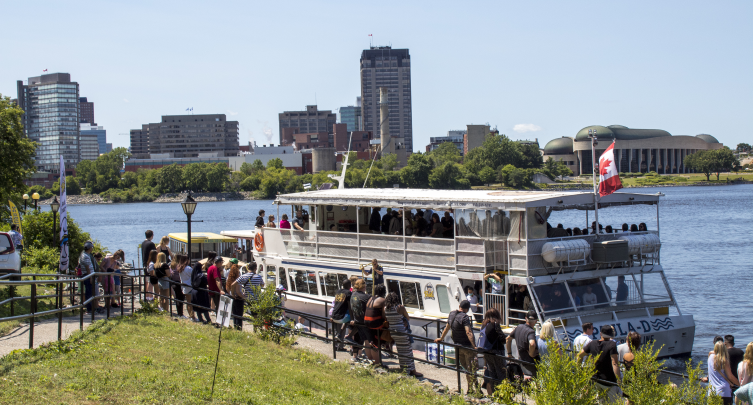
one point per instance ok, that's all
(525, 341)
(375, 221)
(88, 266)
(184, 270)
(175, 290)
(375, 319)
(396, 224)
(238, 299)
(622, 290)
(271, 223)
(109, 264)
(358, 301)
(607, 361)
(397, 317)
(448, 225)
(153, 280)
(96, 293)
(162, 272)
(745, 370)
(118, 259)
(735, 355)
(147, 246)
(584, 338)
(16, 237)
(214, 280)
(546, 334)
(260, 220)
(720, 373)
(199, 284)
(376, 271)
(625, 351)
(496, 338)
(243, 291)
(284, 223)
(341, 312)
(164, 247)
(462, 335)
(476, 308)
(298, 222)
(436, 227)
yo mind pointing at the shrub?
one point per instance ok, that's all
(42, 259)
(562, 379)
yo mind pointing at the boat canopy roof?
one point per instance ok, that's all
(243, 234)
(202, 237)
(459, 199)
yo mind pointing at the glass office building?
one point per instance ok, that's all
(51, 119)
(352, 117)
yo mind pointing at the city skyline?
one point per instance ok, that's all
(533, 71)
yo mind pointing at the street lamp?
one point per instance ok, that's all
(26, 199)
(35, 197)
(189, 206)
(54, 206)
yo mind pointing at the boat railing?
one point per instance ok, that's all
(470, 254)
(526, 259)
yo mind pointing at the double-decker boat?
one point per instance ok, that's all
(604, 278)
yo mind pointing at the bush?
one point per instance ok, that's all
(44, 193)
(42, 259)
(37, 232)
(562, 379)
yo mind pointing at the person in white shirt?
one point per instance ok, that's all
(583, 338)
(300, 325)
(589, 298)
(475, 306)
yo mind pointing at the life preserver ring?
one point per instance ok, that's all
(259, 242)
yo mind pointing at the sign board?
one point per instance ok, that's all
(224, 311)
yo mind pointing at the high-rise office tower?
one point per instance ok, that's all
(386, 67)
(87, 111)
(307, 122)
(51, 117)
(187, 136)
(351, 116)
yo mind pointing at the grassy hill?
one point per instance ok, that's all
(152, 359)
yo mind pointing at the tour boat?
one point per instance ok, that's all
(604, 278)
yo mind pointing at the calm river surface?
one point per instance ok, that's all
(706, 253)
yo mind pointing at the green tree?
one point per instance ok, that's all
(83, 169)
(71, 186)
(218, 175)
(743, 147)
(416, 173)
(388, 161)
(530, 156)
(251, 183)
(496, 151)
(16, 155)
(448, 176)
(724, 161)
(128, 180)
(561, 379)
(169, 179)
(445, 152)
(275, 163)
(487, 175)
(275, 181)
(253, 168)
(234, 183)
(702, 162)
(515, 177)
(554, 169)
(37, 227)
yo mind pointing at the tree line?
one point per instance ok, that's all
(712, 161)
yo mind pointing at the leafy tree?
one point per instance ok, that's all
(743, 147)
(169, 179)
(43, 193)
(253, 168)
(37, 227)
(515, 177)
(276, 180)
(445, 152)
(448, 176)
(275, 163)
(487, 175)
(234, 183)
(554, 169)
(195, 177)
(561, 379)
(217, 175)
(416, 173)
(16, 155)
(724, 161)
(71, 186)
(128, 180)
(702, 162)
(496, 151)
(530, 156)
(251, 183)
(388, 161)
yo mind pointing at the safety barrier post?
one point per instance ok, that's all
(12, 309)
(334, 340)
(104, 300)
(83, 307)
(170, 298)
(120, 297)
(133, 290)
(326, 314)
(457, 367)
(60, 308)
(94, 295)
(32, 310)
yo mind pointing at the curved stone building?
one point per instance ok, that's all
(636, 150)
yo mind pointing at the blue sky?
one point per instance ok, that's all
(532, 69)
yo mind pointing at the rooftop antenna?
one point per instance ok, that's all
(371, 40)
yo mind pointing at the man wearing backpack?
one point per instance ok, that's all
(525, 341)
(462, 334)
(88, 265)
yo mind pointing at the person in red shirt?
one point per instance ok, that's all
(214, 281)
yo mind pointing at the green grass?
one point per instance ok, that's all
(21, 307)
(151, 359)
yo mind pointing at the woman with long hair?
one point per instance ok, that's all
(495, 365)
(397, 316)
(162, 272)
(547, 334)
(237, 309)
(152, 279)
(436, 226)
(119, 257)
(199, 284)
(184, 270)
(720, 373)
(164, 247)
(745, 369)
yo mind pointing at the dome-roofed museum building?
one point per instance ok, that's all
(636, 150)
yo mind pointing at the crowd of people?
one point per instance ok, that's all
(560, 231)
(101, 285)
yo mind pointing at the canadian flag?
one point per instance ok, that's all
(609, 176)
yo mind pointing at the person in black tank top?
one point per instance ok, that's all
(164, 247)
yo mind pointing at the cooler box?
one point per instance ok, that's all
(610, 251)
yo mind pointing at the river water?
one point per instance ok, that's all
(706, 253)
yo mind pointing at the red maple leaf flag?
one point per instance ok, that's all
(609, 176)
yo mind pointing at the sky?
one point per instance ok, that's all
(535, 70)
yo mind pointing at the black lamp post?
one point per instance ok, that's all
(54, 207)
(35, 197)
(26, 199)
(189, 206)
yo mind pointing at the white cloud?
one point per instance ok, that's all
(523, 128)
(126, 100)
(232, 112)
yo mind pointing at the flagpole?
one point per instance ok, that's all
(594, 142)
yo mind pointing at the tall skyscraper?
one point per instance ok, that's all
(386, 67)
(87, 111)
(307, 122)
(187, 136)
(51, 117)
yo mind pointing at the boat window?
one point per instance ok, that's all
(553, 298)
(443, 298)
(369, 284)
(411, 295)
(331, 282)
(487, 224)
(271, 272)
(654, 289)
(283, 277)
(588, 294)
(304, 282)
(394, 286)
(622, 290)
